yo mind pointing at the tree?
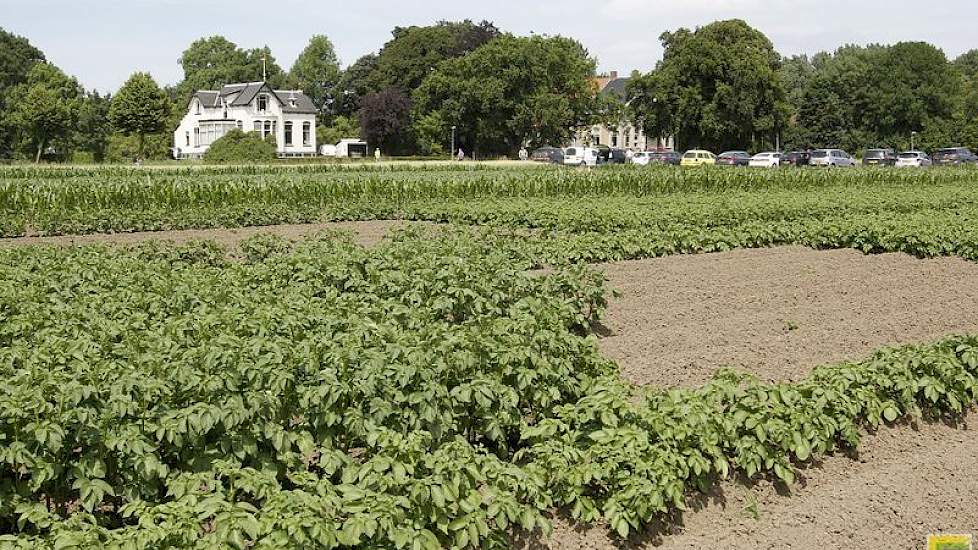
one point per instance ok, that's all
(317, 71)
(352, 86)
(212, 62)
(385, 120)
(17, 56)
(717, 87)
(239, 146)
(414, 52)
(967, 63)
(509, 92)
(44, 107)
(139, 108)
(913, 83)
(93, 130)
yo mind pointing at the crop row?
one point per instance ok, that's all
(427, 393)
(131, 200)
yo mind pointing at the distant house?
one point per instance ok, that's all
(289, 115)
(623, 136)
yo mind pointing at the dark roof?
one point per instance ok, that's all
(245, 92)
(208, 98)
(617, 87)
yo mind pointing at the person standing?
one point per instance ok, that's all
(461, 154)
(524, 154)
(377, 154)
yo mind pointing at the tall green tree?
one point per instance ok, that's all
(17, 56)
(352, 86)
(209, 63)
(717, 87)
(139, 108)
(44, 108)
(317, 71)
(508, 92)
(414, 52)
(93, 129)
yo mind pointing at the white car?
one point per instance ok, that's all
(831, 157)
(917, 159)
(581, 156)
(642, 158)
(765, 160)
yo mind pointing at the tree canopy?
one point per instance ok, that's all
(414, 52)
(209, 63)
(139, 108)
(717, 87)
(44, 107)
(510, 91)
(17, 56)
(316, 71)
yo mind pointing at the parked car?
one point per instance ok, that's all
(954, 155)
(917, 159)
(796, 158)
(879, 157)
(831, 157)
(612, 156)
(548, 154)
(643, 158)
(766, 160)
(733, 158)
(581, 156)
(698, 157)
(671, 158)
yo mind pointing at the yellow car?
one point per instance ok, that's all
(697, 157)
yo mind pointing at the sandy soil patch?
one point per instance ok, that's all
(778, 312)
(368, 233)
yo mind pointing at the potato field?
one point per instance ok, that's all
(446, 387)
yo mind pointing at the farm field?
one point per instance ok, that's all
(350, 378)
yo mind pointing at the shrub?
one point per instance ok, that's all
(238, 146)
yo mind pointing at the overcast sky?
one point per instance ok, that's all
(102, 41)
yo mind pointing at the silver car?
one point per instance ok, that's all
(831, 157)
(917, 159)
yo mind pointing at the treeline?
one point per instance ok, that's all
(721, 86)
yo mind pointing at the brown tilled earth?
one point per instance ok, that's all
(778, 313)
(367, 233)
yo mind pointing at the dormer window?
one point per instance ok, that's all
(262, 103)
(197, 106)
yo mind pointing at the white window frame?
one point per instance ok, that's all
(288, 133)
(306, 134)
(261, 103)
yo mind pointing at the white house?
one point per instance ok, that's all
(289, 115)
(624, 135)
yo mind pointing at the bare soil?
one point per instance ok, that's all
(778, 312)
(368, 233)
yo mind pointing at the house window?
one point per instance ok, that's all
(188, 138)
(196, 137)
(262, 103)
(258, 126)
(306, 134)
(240, 125)
(288, 134)
(197, 106)
(268, 129)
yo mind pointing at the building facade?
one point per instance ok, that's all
(625, 135)
(288, 115)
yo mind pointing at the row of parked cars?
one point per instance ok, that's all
(588, 156)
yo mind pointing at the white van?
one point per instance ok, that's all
(581, 156)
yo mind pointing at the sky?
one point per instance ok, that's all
(101, 42)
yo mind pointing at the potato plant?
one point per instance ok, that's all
(429, 393)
